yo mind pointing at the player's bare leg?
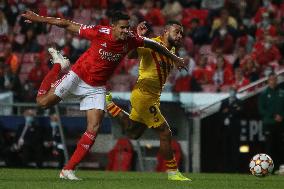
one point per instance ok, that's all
(166, 151)
(47, 100)
(135, 129)
(94, 120)
(132, 129)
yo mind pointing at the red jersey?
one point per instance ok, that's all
(96, 65)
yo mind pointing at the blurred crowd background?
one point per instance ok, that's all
(226, 42)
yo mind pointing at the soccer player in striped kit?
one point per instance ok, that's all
(145, 97)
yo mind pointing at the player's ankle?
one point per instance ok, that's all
(113, 109)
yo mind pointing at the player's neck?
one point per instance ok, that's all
(114, 36)
(166, 43)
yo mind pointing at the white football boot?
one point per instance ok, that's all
(57, 57)
(68, 175)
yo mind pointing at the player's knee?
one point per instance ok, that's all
(93, 126)
(42, 102)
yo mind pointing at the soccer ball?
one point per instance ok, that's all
(261, 165)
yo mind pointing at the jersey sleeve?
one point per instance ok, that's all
(143, 51)
(88, 32)
(135, 41)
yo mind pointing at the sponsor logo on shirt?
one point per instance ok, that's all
(104, 44)
(109, 56)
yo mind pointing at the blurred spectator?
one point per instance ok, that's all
(176, 74)
(265, 28)
(244, 11)
(224, 41)
(199, 34)
(4, 28)
(152, 14)
(224, 20)
(271, 108)
(250, 68)
(223, 74)
(224, 33)
(172, 10)
(58, 9)
(11, 59)
(193, 12)
(29, 43)
(37, 73)
(267, 7)
(53, 141)
(265, 52)
(186, 83)
(239, 79)
(240, 55)
(12, 82)
(35, 76)
(31, 138)
(244, 39)
(212, 5)
(230, 110)
(203, 73)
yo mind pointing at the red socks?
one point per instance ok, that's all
(83, 146)
(50, 78)
(113, 109)
(171, 165)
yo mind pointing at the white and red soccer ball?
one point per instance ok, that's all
(261, 165)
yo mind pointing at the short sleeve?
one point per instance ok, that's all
(88, 32)
(142, 51)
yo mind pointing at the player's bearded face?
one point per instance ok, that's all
(121, 29)
(175, 35)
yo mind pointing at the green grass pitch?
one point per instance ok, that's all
(45, 179)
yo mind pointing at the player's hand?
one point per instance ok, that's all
(30, 17)
(180, 64)
(142, 28)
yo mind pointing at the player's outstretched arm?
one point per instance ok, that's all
(179, 62)
(71, 26)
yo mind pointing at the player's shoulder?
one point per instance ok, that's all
(157, 39)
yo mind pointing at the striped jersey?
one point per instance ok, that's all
(154, 69)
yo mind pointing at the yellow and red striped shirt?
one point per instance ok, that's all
(154, 69)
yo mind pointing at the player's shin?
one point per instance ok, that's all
(83, 146)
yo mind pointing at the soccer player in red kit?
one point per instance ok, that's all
(87, 77)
